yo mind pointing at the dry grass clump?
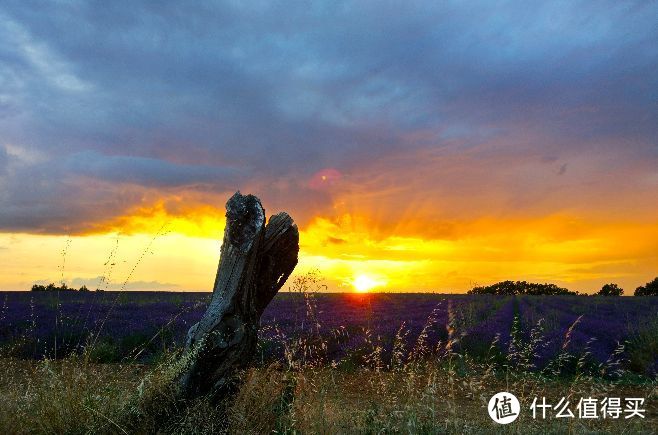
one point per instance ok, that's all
(432, 399)
(65, 396)
(73, 396)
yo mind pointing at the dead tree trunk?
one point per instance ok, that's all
(254, 263)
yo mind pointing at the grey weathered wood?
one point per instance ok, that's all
(255, 261)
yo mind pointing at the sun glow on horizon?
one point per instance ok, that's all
(363, 283)
(577, 252)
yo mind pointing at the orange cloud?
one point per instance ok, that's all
(168, 215)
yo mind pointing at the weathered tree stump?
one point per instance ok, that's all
(255, 261)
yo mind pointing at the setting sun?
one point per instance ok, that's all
(364, 283)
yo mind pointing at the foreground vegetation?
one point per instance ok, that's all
(440, 396)
(315, 376)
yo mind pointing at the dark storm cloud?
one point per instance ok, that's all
(167, 95)
(149, 172)
(71, 194)
(41, 201)
(4, 160)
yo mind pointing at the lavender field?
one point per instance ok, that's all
(601, 334)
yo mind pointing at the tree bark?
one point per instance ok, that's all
(255, 261)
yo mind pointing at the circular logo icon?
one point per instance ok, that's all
(504, 407)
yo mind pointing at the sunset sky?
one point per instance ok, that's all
(419, 146)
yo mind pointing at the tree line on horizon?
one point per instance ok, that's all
(503, 288)
(59, 288)
(510, 288)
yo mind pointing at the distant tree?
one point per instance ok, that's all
(83, 288)
(520, 288)
(611, 290)
(648, 289)
(53, 288)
